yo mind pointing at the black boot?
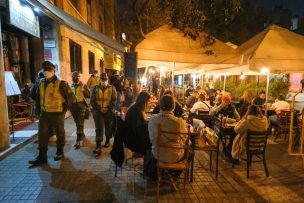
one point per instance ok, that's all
(97, 151)
(40, 159)
(77, 145)
(59, 155)
(107, 143)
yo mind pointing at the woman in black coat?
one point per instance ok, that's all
(137, 135)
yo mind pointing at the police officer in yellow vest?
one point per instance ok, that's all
(78, 108)
(103, 100)
(55, 97)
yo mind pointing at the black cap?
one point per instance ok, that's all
(104, 76)
(47, 66)
(75, 74)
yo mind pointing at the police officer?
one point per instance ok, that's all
(55, 97)
(103, 100)
(93, 80)
(79, 107)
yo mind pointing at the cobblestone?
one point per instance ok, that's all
(82, 178)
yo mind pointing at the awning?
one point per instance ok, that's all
(74, 24)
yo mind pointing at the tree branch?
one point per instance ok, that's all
(137, 17)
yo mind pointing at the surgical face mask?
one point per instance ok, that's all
(104, 83)
(48, 74)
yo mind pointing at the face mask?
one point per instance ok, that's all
(48, 74)
(104, 83)
(76, 80)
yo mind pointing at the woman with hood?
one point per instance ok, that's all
(253, 120)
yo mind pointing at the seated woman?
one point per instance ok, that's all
(168, 122)
(245, 102)
(137, 135)
(225, 108)
(178, 110)
(253, 120)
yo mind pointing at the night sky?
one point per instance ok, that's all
(296, 6)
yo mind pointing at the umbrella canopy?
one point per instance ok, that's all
(276, 48)
(169, 45)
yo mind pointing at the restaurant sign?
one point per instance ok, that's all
(22, 16)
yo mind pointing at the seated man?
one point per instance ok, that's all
(201, 105)
(279, 105)
(168, 122)
(260, 100)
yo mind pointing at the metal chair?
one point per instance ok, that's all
(182, 165)
(205, 117)
(256, 146)
(211, 145)
(218, 129)
(284, 124)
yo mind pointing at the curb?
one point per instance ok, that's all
(17, 147)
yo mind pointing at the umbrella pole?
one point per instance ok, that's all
(224, 88)
(183, 87)
(172, 82)
(267, 91)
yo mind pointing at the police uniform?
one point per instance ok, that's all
(54, 96)
(78, 108)
(103, 100)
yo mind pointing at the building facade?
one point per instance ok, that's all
(75, 35)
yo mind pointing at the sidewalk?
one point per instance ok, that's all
(83, 178)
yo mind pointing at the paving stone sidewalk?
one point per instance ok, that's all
(83, 178)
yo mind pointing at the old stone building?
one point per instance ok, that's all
(75, 35)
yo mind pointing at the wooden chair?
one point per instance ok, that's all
(211, 145)
(21, 110)
(256, 146)
(182, 165)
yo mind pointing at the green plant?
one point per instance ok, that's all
(277, 86)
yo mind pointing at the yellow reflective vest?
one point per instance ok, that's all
(103, 97)
(50, 97)
(78, 91)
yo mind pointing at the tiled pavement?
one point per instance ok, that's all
(82, 178)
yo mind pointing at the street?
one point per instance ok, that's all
(83, 178)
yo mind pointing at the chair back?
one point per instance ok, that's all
(204, 116)
(284, 118)
(256, 142)
(166, 139)
(217, 125)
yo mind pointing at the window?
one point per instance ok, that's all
(89, 12)
(91, 62)
(75, 3)
(75, 57)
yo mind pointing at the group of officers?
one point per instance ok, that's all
(54, 97)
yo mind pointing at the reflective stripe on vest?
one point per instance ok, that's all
(78, 91)
(103, 98)
(50, 97)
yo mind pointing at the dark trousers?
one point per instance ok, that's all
(78, 113)
(49, 121)
(103, 121)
